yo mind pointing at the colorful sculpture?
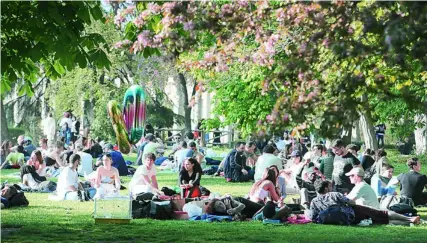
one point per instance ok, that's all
(128, 123)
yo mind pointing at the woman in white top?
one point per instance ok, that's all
(107, 182)
(266, 187)
(144, 179)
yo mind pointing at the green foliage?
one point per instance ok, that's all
(47, 37)
(15, 132)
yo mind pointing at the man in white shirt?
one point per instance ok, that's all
(67, 187)
(49, 129)
(362, 193)
(266, 160)
(86, 166)
(180, 155)
(144, 179)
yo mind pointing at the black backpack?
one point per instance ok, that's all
(161, 210)
(141, 209)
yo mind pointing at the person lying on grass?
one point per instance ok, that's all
(189, 178)
(224, 206)
(356, 213)
(144, 179)
(107, 182)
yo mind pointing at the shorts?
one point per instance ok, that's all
(377, 216)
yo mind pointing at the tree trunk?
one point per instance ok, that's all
(187, 108)
(4, 129)
(421, 134)
(368, 131)
(356, 131)
(44, 106)
(346, 138)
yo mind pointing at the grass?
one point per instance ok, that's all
(45, 220)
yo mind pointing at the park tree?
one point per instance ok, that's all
(324, 61)
(86, 92)
(46, 38)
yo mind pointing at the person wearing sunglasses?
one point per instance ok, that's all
(362, 193)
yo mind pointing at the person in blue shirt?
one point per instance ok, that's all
(118, 160)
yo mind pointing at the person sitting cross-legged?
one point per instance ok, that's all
(144, 180)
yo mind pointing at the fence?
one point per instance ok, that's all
(204, 137)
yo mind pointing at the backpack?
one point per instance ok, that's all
(141, 209)
(334, 215)
(387, 201)
(401, 208)
(161, 210)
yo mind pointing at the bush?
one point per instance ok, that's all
(15, 132)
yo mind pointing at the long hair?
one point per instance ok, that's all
(38, 156)
(196, 166)
(269, 175)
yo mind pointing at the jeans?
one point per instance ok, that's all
(380, 138)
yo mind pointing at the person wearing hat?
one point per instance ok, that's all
(29, 146)
(117, 157)
(293, 171)
(362, 193)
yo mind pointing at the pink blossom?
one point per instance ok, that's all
(129, 9)
(269, 118)
(259, 123)
(154, 8)
(188, 25)
(226, 10)
(167, 7)
(139, 22)
(179, 19)
(301, 76)
(325, 43)
(280, 14)
(316, 82)
(118, 19)
(144, 14)
(286, 117)
(243, 3)
(144, 38)
(167, 21)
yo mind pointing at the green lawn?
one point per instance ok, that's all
(45, 220)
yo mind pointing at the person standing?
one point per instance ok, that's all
(344, 162)
(380, 131)
(49, 129)
(66, 123)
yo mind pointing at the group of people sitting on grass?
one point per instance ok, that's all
(335, 180)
